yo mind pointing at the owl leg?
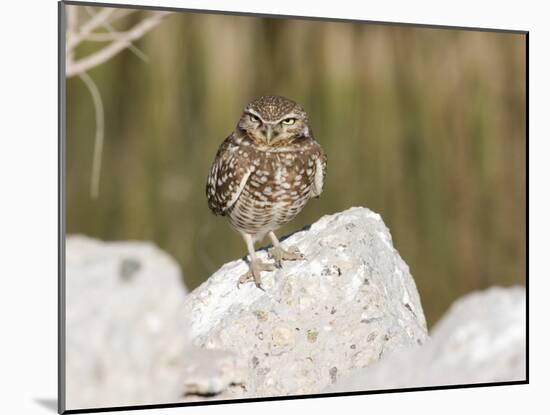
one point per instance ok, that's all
(256, 265)
(279, 254)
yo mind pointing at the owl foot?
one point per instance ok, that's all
(279, 254)
(256, 267)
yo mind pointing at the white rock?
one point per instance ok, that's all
(480, 339)
(125, 326)
(209, 373)
(350, 302)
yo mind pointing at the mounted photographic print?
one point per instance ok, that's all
(258, 207)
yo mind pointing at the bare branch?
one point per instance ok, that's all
(114, 47)
(99, 134)
(72, 19)
(72, 24)
(73, 39)
(134, 49)
(118, 42)
(104, 16)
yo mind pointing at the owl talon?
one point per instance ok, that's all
(279, 254)
(254, 273)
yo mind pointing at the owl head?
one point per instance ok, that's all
(274, 121)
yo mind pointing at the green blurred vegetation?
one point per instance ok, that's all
(424, 126)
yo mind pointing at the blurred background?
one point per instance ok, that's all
(424, 126)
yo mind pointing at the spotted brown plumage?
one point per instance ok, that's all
(264, 173)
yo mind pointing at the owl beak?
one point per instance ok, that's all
(268, 132)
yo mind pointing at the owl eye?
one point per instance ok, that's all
(254, 118)
(289, 121)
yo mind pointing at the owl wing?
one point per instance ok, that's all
(320, 172)
(228, 176)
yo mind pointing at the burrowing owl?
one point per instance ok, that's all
(263, 175)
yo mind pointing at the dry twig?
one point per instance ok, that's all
(99, 133)
(118, 44)
(119, 40)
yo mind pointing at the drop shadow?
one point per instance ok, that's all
(48, 403)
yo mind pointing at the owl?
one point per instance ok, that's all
(263, 175)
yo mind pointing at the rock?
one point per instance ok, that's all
(127, 339)
(210, 373)
(350, 302)
(480, 339)
(125, 326)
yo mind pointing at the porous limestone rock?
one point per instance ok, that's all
(480, 339)
(211, 373)
(125, 329)
(350, 302)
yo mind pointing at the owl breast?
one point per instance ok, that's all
(279, 185)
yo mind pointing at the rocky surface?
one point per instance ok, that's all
(347, 318)
(350, 302)
(480, 339)
(127, 339)
(125, 329)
